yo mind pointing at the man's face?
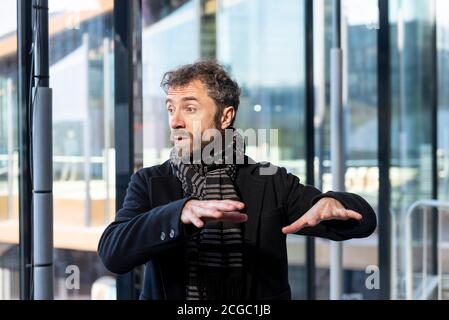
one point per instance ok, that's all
(190, 107)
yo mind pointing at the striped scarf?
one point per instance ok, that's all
(214, 257)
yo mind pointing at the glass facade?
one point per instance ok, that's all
(269, 65)
(9, 159)
(359, 45)
(412, 80)
(262, 43)
(82, 78)
(166, 27)
(443, 98)
(442, 23)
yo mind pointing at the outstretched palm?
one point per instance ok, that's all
(325, 209)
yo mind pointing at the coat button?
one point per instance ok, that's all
(172, 233)
(162, 235)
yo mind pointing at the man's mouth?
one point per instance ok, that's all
(180, 138)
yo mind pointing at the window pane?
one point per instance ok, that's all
(442, 7)
(249, 38)
(443, 98)
(170, 37)
(262, 44)
(81, 75)
(412, 78)
(359, 37)
(359, 45)
(9, 170)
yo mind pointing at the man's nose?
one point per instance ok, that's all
(176, 120)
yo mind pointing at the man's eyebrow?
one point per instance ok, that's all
(183, 99)
(189, 98)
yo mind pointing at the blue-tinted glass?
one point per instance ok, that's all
(170, 38)
(81, 76)
(262, 44)
(9, 157)
(443, 98)
(359, 45)
(412, 77)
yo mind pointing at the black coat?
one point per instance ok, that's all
(148, 230)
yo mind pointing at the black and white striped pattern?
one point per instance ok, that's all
(215, 266)
(216, 249)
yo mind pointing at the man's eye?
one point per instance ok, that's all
(190, 109)
(170, 110)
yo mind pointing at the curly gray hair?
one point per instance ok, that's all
(219, 85)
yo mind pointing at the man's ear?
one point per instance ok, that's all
(227, 117)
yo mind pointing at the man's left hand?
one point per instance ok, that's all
(324, 209)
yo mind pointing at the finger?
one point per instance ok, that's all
(295, 226)
(335, 214)
(196, 220)
(224, 205)
(348, 214)
(201, 211)
(239, 204)
(354, 215)
(341, 214)
(329, 215)
(234, 217)
(312, 222)
(217, 215)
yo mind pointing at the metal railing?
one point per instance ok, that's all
(429, 283)
(67, 168)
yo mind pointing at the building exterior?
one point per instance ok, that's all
(263, 44)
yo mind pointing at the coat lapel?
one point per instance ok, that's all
(252, 190)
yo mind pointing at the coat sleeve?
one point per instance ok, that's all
(300, 198)
(139, 233)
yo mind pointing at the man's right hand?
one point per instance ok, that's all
(198, 212)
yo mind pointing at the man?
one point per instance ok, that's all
(209, 230)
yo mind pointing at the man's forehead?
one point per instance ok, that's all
(181, 91)
(192, 88)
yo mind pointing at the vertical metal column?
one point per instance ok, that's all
(384, 140)
(310, 139)
(435, 142)
(42, 160)
(10, 147)
(107, 125)
(24, 58)
(87, 136)
(124, 114)
(337, 146)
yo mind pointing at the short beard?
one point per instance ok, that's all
(216, 125)
(217, 119)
